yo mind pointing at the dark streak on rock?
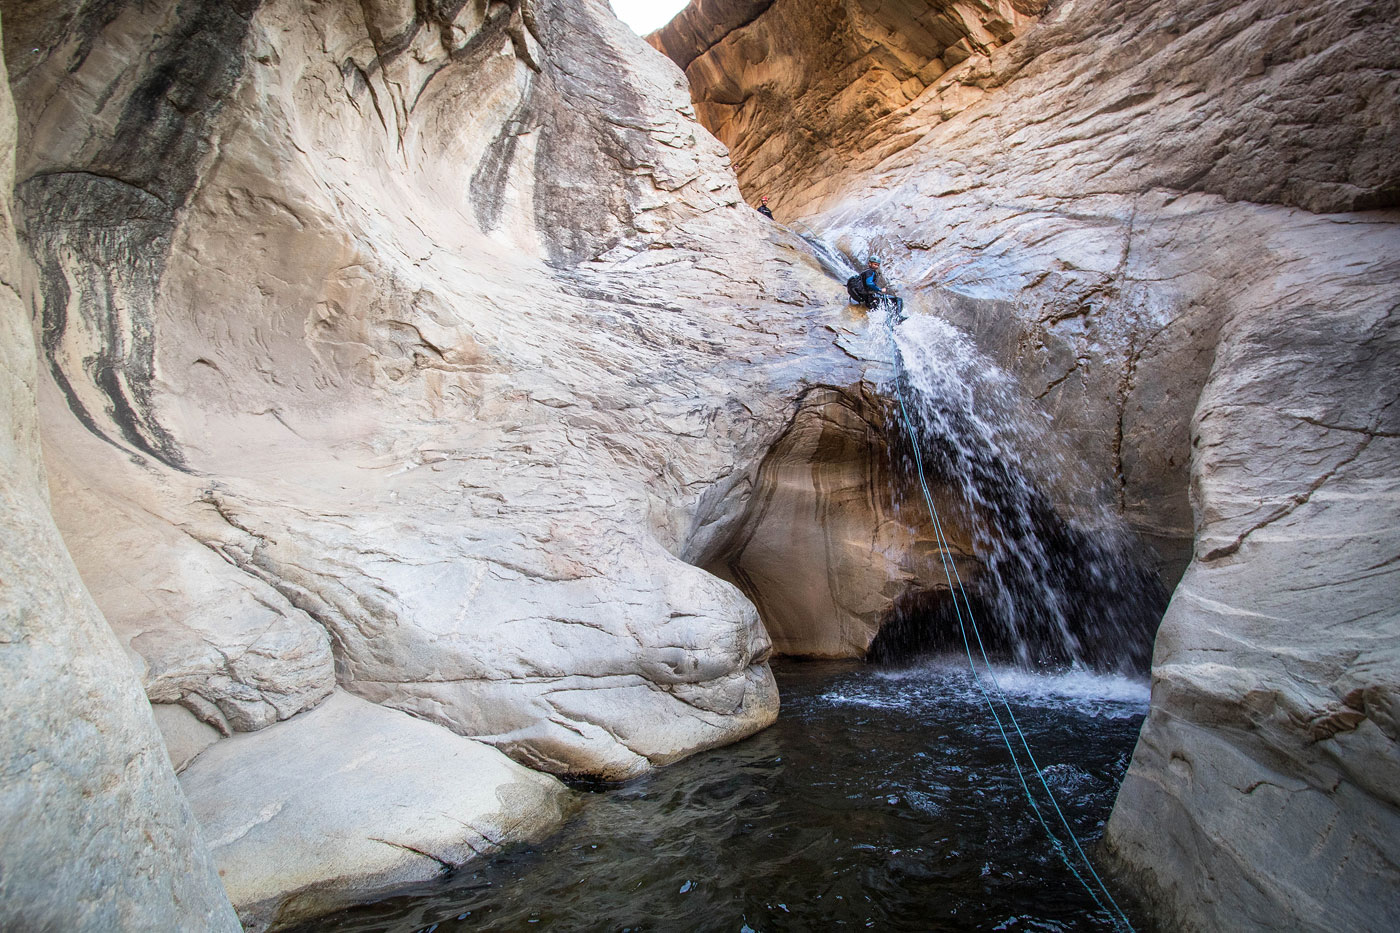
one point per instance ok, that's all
(590, 148)
(100, 229)
(445, 865)
(489, 181)
(1294, 503)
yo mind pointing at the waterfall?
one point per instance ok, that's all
(1062, 581)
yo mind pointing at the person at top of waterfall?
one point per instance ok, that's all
(875, 290)
(763, 207)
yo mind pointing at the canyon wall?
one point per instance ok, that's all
(94, 831)
(1176, 223)
(399, 366)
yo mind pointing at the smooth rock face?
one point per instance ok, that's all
(1274, 726)
(425, 351)
(228, 647)
(95, 834)
(1176, 224)
(345, 803)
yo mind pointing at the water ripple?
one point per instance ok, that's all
(881, 800)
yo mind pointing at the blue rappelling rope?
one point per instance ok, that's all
(1024, 743)
(955, 586)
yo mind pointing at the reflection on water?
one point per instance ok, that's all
(880, 800)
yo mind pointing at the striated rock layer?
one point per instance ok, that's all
(1176, 223)
(310, 355)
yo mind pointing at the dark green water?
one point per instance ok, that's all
(881, 800)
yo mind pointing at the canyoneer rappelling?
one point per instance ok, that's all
(870, 289)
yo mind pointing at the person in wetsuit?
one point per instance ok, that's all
(763, 208)
(877, 290)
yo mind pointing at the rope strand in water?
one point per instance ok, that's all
(955, 587)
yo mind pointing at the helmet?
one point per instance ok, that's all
(764, 198)
(875, 260)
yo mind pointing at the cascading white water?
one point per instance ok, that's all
(1061, 579)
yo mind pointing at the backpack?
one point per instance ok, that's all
(855, 287)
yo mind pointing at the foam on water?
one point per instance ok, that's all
(934, 684)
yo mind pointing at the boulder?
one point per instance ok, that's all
(350, 801)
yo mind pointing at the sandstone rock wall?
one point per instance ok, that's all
(1176, 223)
(1272, 750)
(425, 351)
(1035, 175)
(420, 350)
(394, 347)
(94, 832)
(797, 90)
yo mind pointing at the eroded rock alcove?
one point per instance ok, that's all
(822, 551)
(839, 553)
